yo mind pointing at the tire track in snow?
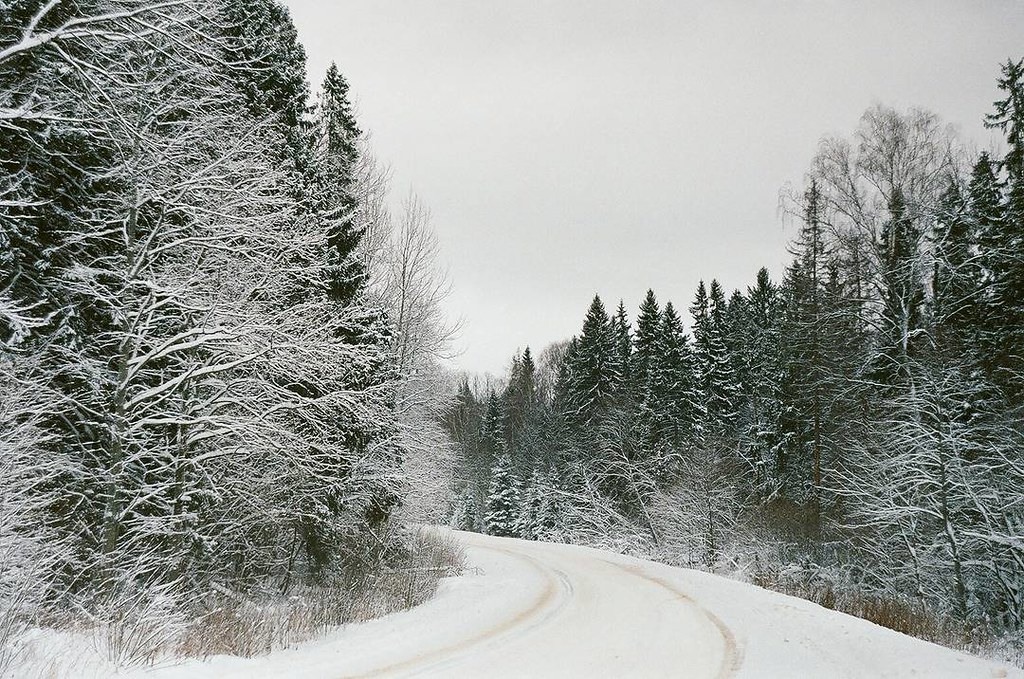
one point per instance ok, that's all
(732, 658)
(544, 607)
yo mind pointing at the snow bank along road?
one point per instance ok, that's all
(527, 609)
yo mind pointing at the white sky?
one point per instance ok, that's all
(573, 147)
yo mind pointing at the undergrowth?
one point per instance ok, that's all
(236, 626)
(901, 615)
(143, 628)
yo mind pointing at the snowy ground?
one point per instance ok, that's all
(529, 609)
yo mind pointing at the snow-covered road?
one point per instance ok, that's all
(555, 610)
(527, 609)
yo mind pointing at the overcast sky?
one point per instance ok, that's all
(568, 148)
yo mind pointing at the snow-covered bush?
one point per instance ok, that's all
(30, 471)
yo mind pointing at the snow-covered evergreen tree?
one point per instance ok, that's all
(646, 354)
(674, 388)
(465, 515)
(503, 501)
(716, 381)
(624, 342)
(531, 519)
(594, 374)
(760, 353)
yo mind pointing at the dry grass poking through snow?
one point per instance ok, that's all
(247, 629)
(902, 616)
(148, 630)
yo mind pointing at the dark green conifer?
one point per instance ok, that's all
(646, 351)
(1004, 241)
(624, 342)
(502, 507)
(331, 186)
(595, 373)
(902, 294)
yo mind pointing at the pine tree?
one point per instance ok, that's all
(674, 389)
(1004, 240)
(902, 294)
(520, 411)
(624, 343)
(503, 502)
(594, 372)
(760, 353)
(464, 512)
(714, 361)
(646, 352)
(807, 378)
(331, 186)
(956, 277)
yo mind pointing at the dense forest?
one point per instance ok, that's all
(223, 406)
(208, 324)
(853, 427)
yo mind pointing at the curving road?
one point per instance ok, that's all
(572, 614)
(528, 609)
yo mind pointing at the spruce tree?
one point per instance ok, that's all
(956, 279)
(762, 384)
(561, 396)
(1009, 118)
(492, 439)
(624, 343)
(808, 372)
(263, 56)
(594, 373)
(674, 388)
(548, 517)
(901, 317)
(700, 312)
(715, 364)
(1005, 240)
(332, 186)
(645, 355)
(532, 494)
(464, 512)
(503, 502)
(520, 411)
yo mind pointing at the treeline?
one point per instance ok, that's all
(859, 421)
(199, 383)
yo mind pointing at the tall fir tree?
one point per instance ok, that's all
(646, 348)
(521, 411)
(761, 383)
(331, 186)
(673, 384)
(624, 343)
(901, 317)
(715, 364)
(956, 276)
(807, 375)
(262, 53)
(1005, 240)
(594, 370)
(503, 501)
